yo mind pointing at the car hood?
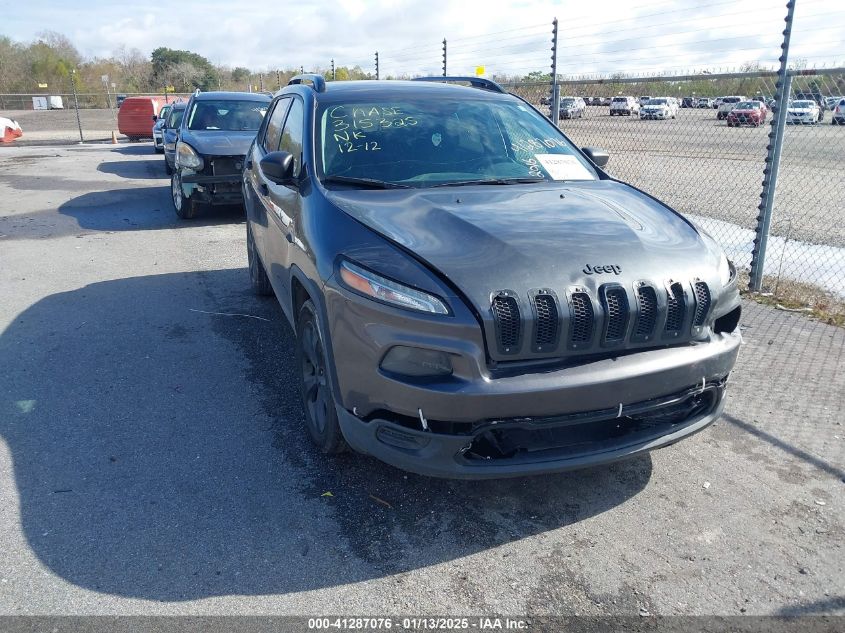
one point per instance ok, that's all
(484, 239)
(219, 143)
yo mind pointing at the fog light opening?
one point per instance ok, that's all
(728, 323)
(416, 362)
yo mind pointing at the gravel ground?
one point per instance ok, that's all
(153, 458)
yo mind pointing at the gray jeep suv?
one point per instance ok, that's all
(214, 134)
(473, 296)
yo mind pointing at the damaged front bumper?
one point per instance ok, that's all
(530, 446)
(215, 187)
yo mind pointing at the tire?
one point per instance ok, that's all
(185, 207)
(257, 273)
(315, 383)
(167, 168)
(158, 150)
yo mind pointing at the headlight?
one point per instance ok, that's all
(368, 283)
(727, 270)
(186, 156)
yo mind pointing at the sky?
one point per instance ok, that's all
(645, 36)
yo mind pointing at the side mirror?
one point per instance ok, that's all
(597, 155)
(278, 167)
(155, 118)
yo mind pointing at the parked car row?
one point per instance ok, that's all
(405, 340)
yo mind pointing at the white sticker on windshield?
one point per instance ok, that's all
(563, 167)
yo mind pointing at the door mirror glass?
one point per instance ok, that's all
(278, 168)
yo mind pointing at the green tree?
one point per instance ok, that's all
(188, 70)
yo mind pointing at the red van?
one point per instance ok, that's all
(135, 117)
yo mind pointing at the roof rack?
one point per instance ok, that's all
(317, 81)
(197, 92)
(475, 82)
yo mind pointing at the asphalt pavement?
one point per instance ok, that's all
(153, 458)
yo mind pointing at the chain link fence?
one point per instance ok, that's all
(58, 122)
(689, 150)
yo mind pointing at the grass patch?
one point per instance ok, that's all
(795, 296)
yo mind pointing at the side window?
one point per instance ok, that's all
(274, 126)
(293, 133)
(175, 118)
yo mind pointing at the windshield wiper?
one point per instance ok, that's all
(370, 183)
(490, 181)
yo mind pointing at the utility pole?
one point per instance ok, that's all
(444, 56)
(554, 108)
(783, 88)
(76, 102)
(377, 65)
(334, 73)
(279, 79)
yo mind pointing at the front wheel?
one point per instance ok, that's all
(315, 383)
(185, 207)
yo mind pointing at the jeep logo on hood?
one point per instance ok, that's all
(606, 269)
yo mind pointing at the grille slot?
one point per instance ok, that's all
(547, 320)
(702, 303)
(616, 314)
(676, 308)
(647, 314)
(582, 318)
(508, 323)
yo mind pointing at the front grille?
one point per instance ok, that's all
(582, 318)
(702, 303)
(647, 314)
(615, 302)
(547, 320)
(508, 322)
(676, 308)
(591, 322)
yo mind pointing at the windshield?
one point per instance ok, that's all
(567, 101)
(620, 99)
(426, 142)
(227, 115)
(657, 102)
(731, 100)
(803, 104)
(748, 105)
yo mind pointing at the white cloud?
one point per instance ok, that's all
(504, 36)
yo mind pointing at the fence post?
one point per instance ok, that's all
(76, 103)
(554, 89)
(783, 89)
(444, 56)
(377, 65)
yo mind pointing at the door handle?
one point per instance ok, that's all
(264, 189)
